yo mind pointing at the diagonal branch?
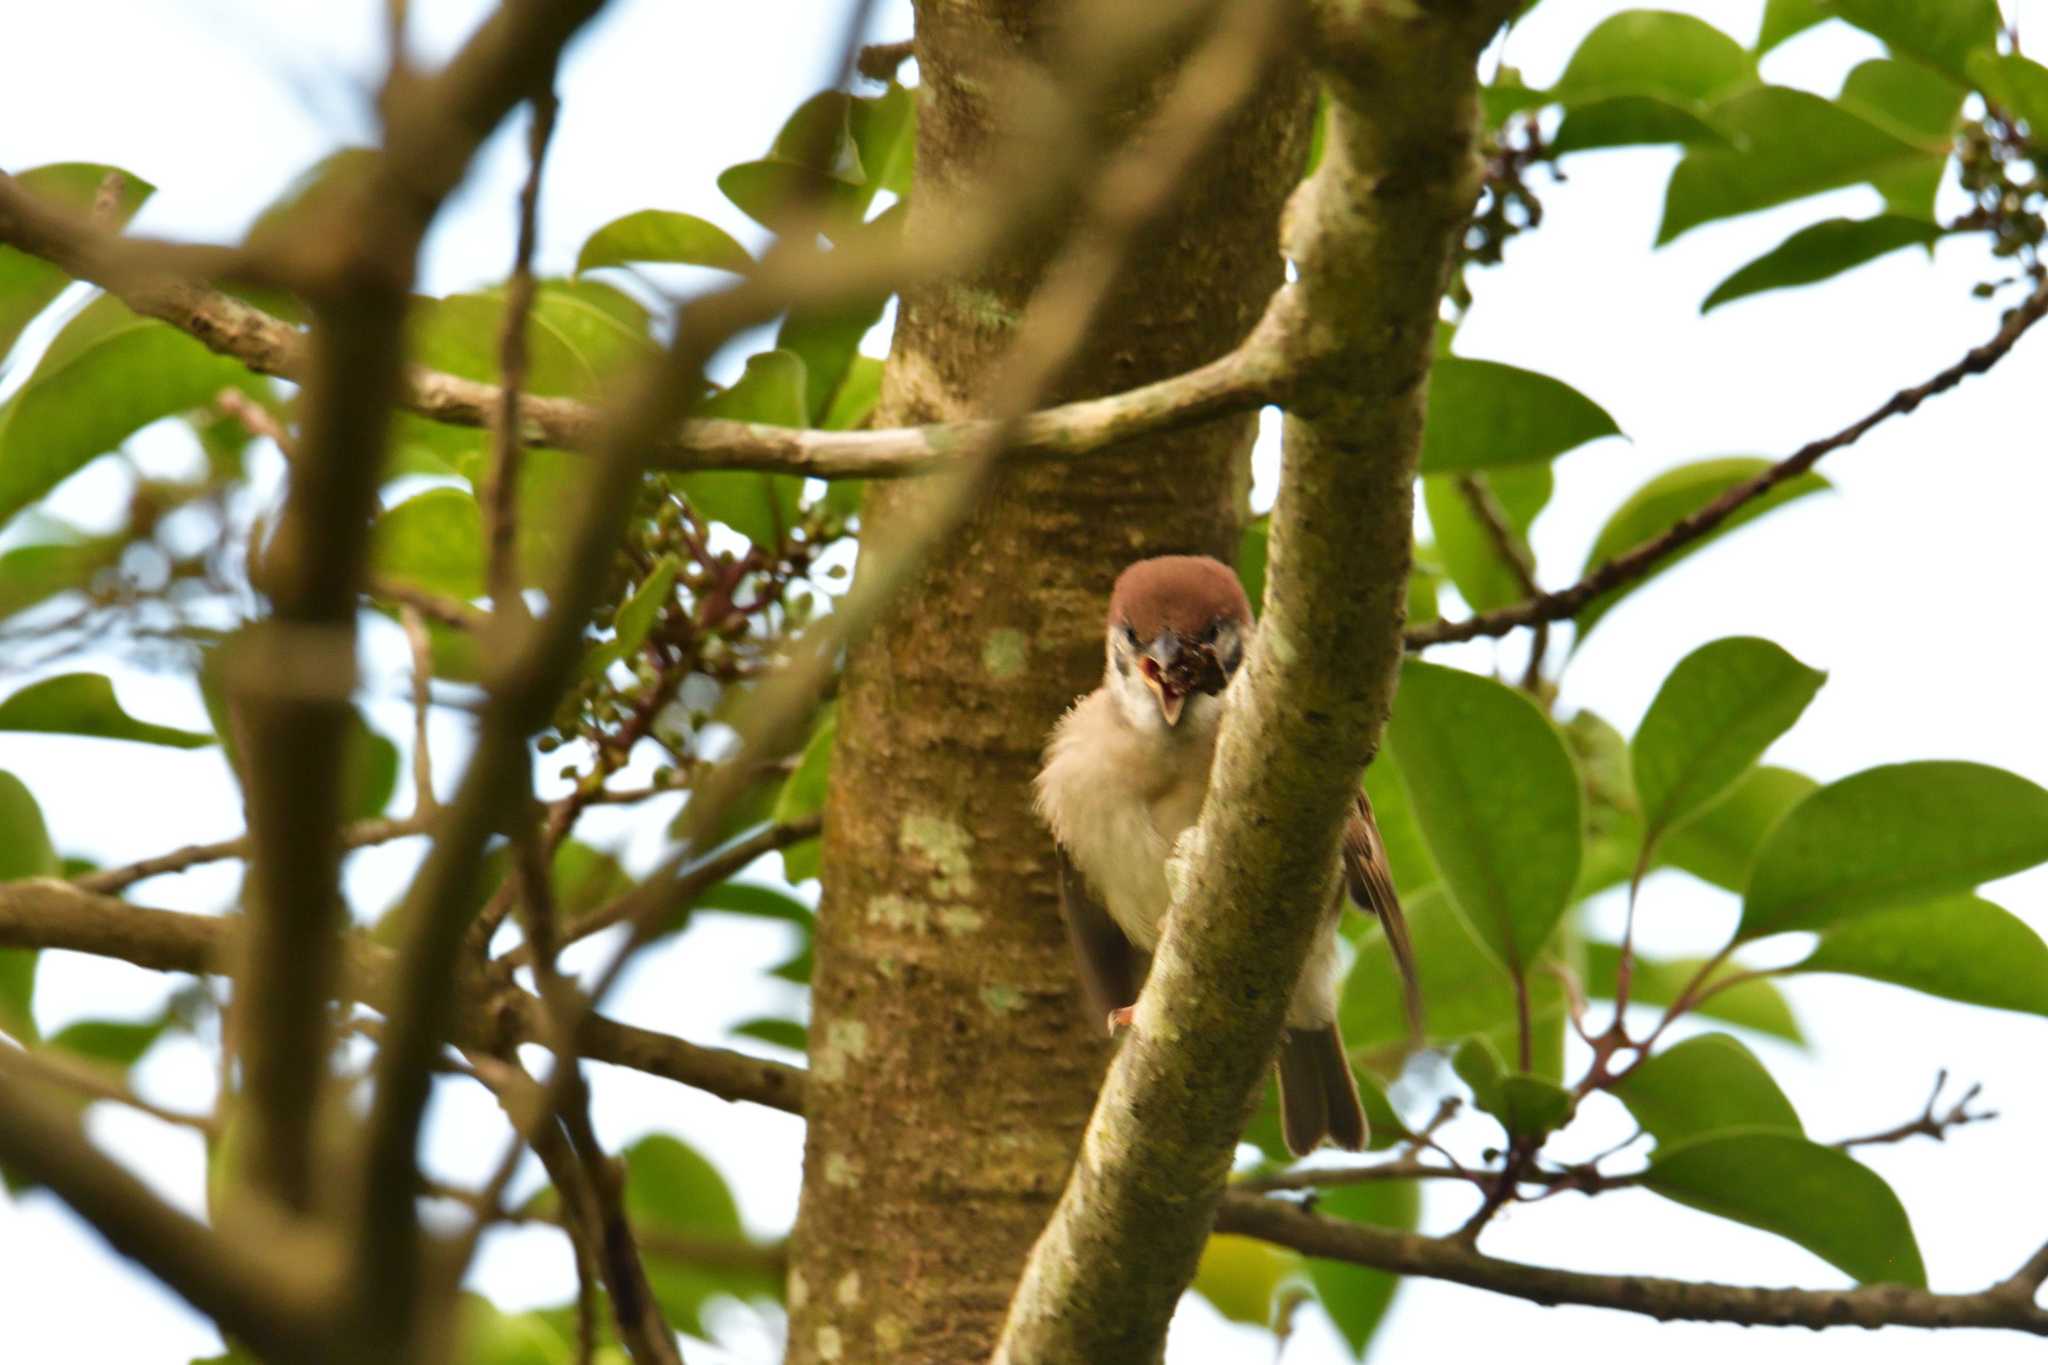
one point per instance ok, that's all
(2008, 1305)
(1634, 564)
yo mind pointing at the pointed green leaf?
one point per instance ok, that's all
(659, 237)
(819, 134)
(1723, 705)
(1654, 52)
(1496, 798)
(1784, 19)
(1817, 1196)
(1959, 947)
(433, 541)
(785, 197)
(1709, 1084)
(25, 851)
(636, 617)
(580, 342)
(1756, 1004)
(673, 1190)
(1483, 414)
(826, 340)
(1789, 144)
(855, 398)
(1917, 105)
(1719, 845)
(2015, 84)
(108, 374)
(1632, 121)
(803, 795)
(1821, 252)
(33, 574)
(1892, 836)
(884, 130)
(1942, 33)
(1355, 1297)
(777, 1032)
(1527, 1106)
(761, 507)
(117, 1043)
(84, 704)
(1668, 499)
(29, 284)
(1614, 819)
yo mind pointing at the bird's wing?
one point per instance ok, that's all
(1105, 957)
(1371, 885)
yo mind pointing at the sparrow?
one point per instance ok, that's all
(1125, 773)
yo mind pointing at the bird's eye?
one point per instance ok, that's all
(1208, 636)
(1130, 636)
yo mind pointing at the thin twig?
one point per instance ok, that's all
(361, 834)
(1635, 563)
(1514, 552)
(423, 802)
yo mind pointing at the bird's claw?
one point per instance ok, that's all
(1121, 1018)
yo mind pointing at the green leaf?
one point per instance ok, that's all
(1816, 1196)
(2016, 84)
(1756, 1004)
(1614, 819)
(1242, 1276)
(1669, 498)
(25, 851)
(1483, 414)
(1467, 990)
(1632, 121)
(820, 135)
(1252, 545)
(29, 284)
(32, 574)
(803, 795)
(779, 1032)
(1942, 33)
(1407, 855)
(884, 129)
(1720, 844)
(1471, 553)
(1785, 18)
(671, 1189)
(1355, 1297)
(1704, 1085)
(855, 398)
(826, 340)
(370, 772)
(117, 1043)
(1891, 836)
(1789, 144)
(1723, 705)
(761, 507)
(786, 198)
(1916, 105)
(1653, 52)
(490, 1337)
(1497, 800)
(108, 374)
(1527, 1106)
(580, 342)
(1821, 252)
(84, 704)
(433, 541)
(659, 237)
(1959, 947)
(636, 617)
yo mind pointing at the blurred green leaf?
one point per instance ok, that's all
(119, 1043)
(820, 135)
(29, 284)
(1470, 550)
(636, 617)
(780, 1032)
(1252, 545)
(1942, 33)
(1646, 76)
(107, 374)
(1893, 836)
(2016, 84)
(1756, 1004)
(491, 1337)
(826, 340)
(659, 237)
(1713, 717)
(1789, 144)
(1959, 947)
(1709, 1084)
(854, 400)
(1527, 1106)
(884, 129)
(432, 541)
(1917, 105)
(1821, 252)
(25, 851)
(672, 1190)
(1719, 844)
(1816, 1196)
(803, 795)
(1407, 854)
(370, 773)
(1785, 18)
(1497, 800)
(1669, 498)
(84, 704)
(1483, 414)
(1355, 1297)
(1240, 1276)
(32, 574)
(785, 197)
(581, 343)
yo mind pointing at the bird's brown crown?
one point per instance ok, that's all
(1183, 593)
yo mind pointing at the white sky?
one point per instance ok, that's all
(1917, 585)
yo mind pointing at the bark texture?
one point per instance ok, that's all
(952, 1063)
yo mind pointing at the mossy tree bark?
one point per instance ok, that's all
(952, 1064)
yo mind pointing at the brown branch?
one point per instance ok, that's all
(878, 61)
(2008, 1305)
(1634, 564)
(266, 1294)
(361, 834)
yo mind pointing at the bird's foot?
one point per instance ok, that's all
(1121, 1018)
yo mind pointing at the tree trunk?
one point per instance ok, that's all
(952, 1063)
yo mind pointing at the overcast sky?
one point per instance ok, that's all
(1916, 584)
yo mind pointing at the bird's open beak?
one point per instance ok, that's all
(1155, 667)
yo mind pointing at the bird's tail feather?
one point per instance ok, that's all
(1318, 1096)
